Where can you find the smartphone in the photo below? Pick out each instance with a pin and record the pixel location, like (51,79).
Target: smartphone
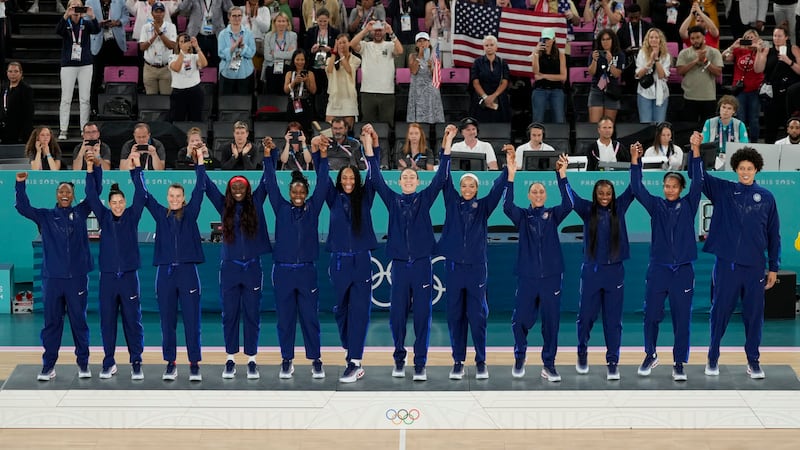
(782,50)
(295,137)
(92,142)
(746,42)
(304,73)
(142,147)
(79,9)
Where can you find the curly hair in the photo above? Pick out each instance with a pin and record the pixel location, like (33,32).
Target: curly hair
(30,146)
(747,154)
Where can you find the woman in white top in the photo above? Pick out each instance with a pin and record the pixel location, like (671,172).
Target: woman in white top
(663,146)
(341,70)
(652,64)
(257,19)
(186,100)
(279,45)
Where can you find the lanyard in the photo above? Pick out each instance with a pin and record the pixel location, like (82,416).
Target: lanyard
(207,4)
(322,37)
(234,38)
(280,45)
(634,42)
(72,31)
(730,136)
(299,90)
(5,100)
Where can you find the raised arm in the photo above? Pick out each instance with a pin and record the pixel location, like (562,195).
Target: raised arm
(637,187)
(94,184)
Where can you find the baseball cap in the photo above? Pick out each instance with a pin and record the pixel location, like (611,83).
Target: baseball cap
(422,35)
(158,6)
(548,33)
(378,25)
(467,121)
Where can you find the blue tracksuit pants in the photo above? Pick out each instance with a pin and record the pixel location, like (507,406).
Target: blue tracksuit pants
(296,294)
(179,285)
(119,294)
(351,276)
(411,292)
(64,296)
(240,292)
(534,297)
(731,282)
(678,283)
(602,288)
(466,306)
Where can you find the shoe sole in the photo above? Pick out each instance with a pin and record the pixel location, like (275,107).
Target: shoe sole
(516,374)
(582,370)
(137,377)
(755,375)
(317,375)
(420,378)
(169,377)
(398,373)
(46,377)
(481,376)
(84,375)
(678,377)
(711,373)
(456,376)
(553,379)
(253,376)
(106,375)
(285,375)
(612,377)
(352,378)
(228,375)
(195,378)
(646,372)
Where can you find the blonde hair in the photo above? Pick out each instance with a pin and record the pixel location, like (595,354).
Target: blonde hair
(282,14)
(662,46)
(422,144)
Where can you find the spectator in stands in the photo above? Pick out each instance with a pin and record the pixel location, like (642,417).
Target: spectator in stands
(237,46)
(186,100)
(279,6)
(365,12)
(17,109)
(205,24)
(310,8)
(667,14)
(605,14)
(258,20)
(699,65)
(746,81)
(415,153)
(153,153)
(34,9)
(697,18)
(549,66)
(709,8)
(279,45)
(341,69)
(469,130)
(108,47)
(241,154)
(605,149)
(296,154)
(605,65)
(437,19)
(405,15)
(157,41)
(75,29)
(101,152)
(631,36)
(194,145)
(424,100)
(301,86)
(793,132)
(344,150)
(319,42)
(565,8)
(786,12)
(489,77)
(748,14)
(42,150)
(142,12)
(536,135)
(725,128)
(652,70)
(377,72)
(664,147)
(780,65)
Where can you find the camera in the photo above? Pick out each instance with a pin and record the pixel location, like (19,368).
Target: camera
(295,137)
(92,142)
(142,147)
(79,9)
(746,42)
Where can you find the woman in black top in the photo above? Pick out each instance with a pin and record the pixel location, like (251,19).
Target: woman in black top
(43,150)
(17,111)
(779,64)
(550,70)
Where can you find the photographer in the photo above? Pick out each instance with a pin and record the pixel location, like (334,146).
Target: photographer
(746,81)
(99,151)
(152,150)
(301,86)
(295,154)
(194,148)
(342,149)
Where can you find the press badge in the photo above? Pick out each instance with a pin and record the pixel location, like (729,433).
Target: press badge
(76,51)
(405,22)
(672,16)
(208,27)
(298,106)
(236,62)
(277,67)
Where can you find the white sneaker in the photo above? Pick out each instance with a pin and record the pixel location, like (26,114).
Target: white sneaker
(287,369)
(35,9)
(84,372)
(60,8)
(108,373)
(62,136)
(46,375)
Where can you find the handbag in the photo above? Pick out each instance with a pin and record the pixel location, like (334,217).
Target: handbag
(765,92)
(647,80)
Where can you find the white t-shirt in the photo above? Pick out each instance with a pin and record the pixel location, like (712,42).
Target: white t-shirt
(527,147)
(674,162)
(606,153)
(480,147)
(784,141)
(158,53)
(377,67)
(142,11)
(189,75)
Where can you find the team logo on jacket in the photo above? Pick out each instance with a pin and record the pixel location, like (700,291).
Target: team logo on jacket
(678,206)
(474,205)
(756,197)
(546,215)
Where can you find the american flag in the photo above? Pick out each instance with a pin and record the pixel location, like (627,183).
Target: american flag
(517,33)
(436,59)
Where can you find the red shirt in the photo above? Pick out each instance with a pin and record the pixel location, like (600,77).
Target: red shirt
(743,61)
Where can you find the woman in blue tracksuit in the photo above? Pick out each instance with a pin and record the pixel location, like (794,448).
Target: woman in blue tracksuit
(244,239)
(410,246)
(119,265)
(463,244)
(602,273)
(539,268)
(177,252)
(294,273)
(351,238)
(66,262)
(744,225)
(673,250)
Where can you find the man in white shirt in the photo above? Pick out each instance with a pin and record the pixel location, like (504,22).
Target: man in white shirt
(157,41)
(469,130)
(536,135)
(793,131)
(377,71)
(141,10)
(605,149)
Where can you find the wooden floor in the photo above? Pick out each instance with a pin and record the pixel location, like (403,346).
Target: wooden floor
(410,439)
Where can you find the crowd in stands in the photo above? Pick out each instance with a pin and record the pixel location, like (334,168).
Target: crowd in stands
(336,61)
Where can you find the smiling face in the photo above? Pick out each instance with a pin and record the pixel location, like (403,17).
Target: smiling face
(348,180)
(44,136)
(604,195)
(537,195)
(536,137)
(469,188)
(238,190)
(300,61)
(117,204)
(672,189)
(746,171)
(175,198)
(322,21)
(281,23)
(605,129)
(298,194)
(653,39)
(470,133)
(489,47)
(65,194)
(409,181)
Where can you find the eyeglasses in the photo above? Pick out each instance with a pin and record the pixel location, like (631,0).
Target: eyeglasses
(236,15)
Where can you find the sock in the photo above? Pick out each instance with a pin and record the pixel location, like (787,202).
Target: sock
(231,357)
(356,362)
(251,358)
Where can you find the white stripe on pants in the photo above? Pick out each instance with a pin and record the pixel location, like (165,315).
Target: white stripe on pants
(83,75)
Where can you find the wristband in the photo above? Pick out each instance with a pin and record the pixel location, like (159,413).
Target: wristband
(483,97)
(49,156)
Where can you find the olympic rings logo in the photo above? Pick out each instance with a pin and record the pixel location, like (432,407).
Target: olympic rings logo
(379,273)
(402,416)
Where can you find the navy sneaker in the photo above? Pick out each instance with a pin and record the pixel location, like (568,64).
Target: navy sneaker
(317,372)
(518,371)
(650,361)
(108,372)
(136,371)
(755,372)
(457,372)
(171,372)
(678,374)
(420,374)
(550,373)
(352,373)
(194,372)
(252,371)
(481,371)
(47,374)
(712,368)
(582,366)
(399,370)
(612,373)
(230,370)
(287,369)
